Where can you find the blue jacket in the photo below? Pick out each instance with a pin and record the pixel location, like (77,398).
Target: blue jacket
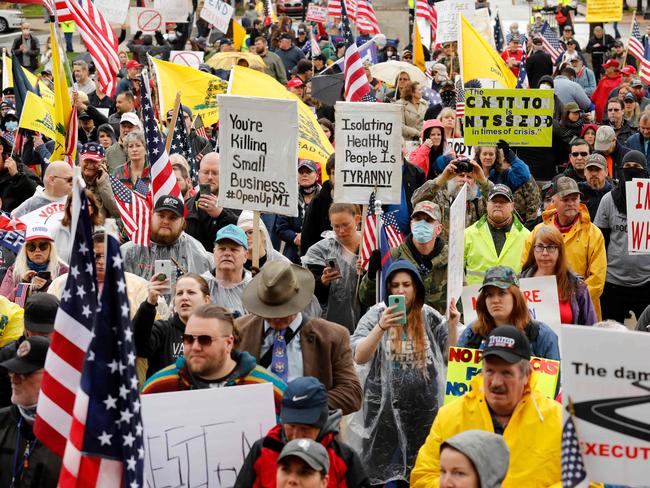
(636,142)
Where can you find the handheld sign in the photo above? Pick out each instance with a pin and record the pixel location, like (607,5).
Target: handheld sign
(457,145)
(520,117)
(146,20)
(368,152)
(637,193)
(187,58)
(447,12)
(258,145)
(217,13)
(114,11)
(604,11)
(455,263)
(173,11)
(316,13)
(189,442)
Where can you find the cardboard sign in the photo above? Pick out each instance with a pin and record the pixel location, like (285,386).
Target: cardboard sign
(637,193)
(604,10)
(483,24)
(448,11)
(316,13)
(465,363)
(606,379)
(520,117)
(368,152)
(455,263)
(540,294)
(258,172)
(187,58)
(189,442)
(114,11)
(457,145)
(217,13)
(173,11)
(147,20)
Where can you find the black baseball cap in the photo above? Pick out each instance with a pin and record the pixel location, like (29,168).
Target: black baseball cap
(508,343)
(40,312)
(84,115)
(501,189)
(304,402)
(30,356)
(171,203)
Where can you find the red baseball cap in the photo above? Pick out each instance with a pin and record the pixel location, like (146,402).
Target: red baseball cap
(611,63)
(295,83)
(628,70)
(133,64)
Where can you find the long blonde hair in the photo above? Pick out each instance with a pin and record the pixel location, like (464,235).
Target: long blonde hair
(21,268)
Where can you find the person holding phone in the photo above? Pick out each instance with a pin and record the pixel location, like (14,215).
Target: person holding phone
(405,383)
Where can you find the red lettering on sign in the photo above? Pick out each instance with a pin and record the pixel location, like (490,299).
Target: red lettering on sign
(463,355)
(474,303)
(645,204)
(544,366)
(532,296)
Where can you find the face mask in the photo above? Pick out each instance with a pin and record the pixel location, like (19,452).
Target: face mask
(422,231)
(545,86)
(171,37)
(11,125)
(630,173)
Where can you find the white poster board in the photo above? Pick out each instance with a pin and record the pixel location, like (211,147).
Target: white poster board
(605,375)
(456,262)
(540,294)
(173,10)
(217,13)
(448,11)
(483,24)
(114,11)
(258,146)
(368,152)
(458,146)
(146,20)
(49,215)
(316,13)
(637,193)
(187,58)
(201,437)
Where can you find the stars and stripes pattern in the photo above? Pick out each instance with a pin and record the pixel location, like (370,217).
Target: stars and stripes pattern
(313,44)
(366,18)
(384,251)
(551,42)
(460,97)
(198,126)
(426,11)
(432,96)
(498,33)
(71,137)
(62,11)
(636,48)
(356,82)
(181,145)
(163,179)
(106,433)
(334,8)
(573,467)
(393,234)
(100,40)
(522,76)
(135,211)
(72,335)
(369,235)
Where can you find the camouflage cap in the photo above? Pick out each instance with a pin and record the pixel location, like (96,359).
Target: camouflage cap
(565,186)
(596,160)
(501,277)
(429,208)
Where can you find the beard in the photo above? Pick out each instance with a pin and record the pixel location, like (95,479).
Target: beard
(453,189)
(165,237)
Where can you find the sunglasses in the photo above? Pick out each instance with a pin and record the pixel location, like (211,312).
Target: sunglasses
(67,180)
(42,246)
(584,154)
(204,340)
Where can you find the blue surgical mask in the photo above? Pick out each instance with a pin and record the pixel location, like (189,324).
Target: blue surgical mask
(422,231)
(11,125)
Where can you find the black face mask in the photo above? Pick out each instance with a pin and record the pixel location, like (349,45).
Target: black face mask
(308,190)
(630,173)
(448,98)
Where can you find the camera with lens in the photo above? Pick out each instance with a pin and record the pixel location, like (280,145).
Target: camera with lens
(463,166)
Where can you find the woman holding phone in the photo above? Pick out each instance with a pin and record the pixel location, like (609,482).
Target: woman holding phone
(405,346)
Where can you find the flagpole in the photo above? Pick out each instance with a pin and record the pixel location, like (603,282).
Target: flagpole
(379,275)
(628,39)
(459,47)
(172,124)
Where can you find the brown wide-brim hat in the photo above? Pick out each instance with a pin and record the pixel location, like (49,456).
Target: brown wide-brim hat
(280,289)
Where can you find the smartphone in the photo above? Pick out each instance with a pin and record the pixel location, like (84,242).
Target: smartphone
(399,301)
(46,275)
(163,267)
(333,264)
(205,189)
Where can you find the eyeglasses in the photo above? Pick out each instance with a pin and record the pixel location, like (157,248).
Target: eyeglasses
(42,246)
(613,109)
(203,339)
(584,154)
(67,180)
(550,249)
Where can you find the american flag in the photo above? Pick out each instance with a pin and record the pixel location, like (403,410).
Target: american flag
(100,40)
(106,436)
(498,33)
(550,42)
(62,11)
(135,211)
(388,232)
(369,238)
(334,8)
(460,97)
(426,11)
(181,145)
(635,48)
(356,82)
(366,18)
(573,466)
(72,335)
(522,77)
(313,44)
(198,126)
(163,180)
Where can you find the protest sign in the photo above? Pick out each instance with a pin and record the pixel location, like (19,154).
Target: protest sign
(520,117)
(540,294)
(173,11)
(316,13)
(114,11)
(604,10)
(637,194)
(48,215)
(189,441)
(145,20)
(458,147)
(217,13)
(606,379)
(448,11)
(455,263)
(483,24)
(258,173)
(368,152)
(465,363)
(187,58)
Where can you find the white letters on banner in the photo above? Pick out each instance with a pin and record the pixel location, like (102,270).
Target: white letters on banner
(218,13)
(448,11)
(187,58)
(457,145)
(173,10)
(201,437)
(606,377)
(258,144)
(637,193)
(368,152)
(316,13)
(540,294)
(455,264)
(114,11)
(146,20)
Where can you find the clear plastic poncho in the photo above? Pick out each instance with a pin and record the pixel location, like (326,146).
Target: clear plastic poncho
(400,400)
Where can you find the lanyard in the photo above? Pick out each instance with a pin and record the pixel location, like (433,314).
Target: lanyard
(29,449)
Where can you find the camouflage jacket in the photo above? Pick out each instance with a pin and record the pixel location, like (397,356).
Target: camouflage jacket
(528,199)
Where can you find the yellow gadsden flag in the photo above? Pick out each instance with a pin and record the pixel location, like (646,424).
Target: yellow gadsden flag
(8,79)
(312,142)
(479,60)
(37,116)
(199,89)
(62,104)
(418,50)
